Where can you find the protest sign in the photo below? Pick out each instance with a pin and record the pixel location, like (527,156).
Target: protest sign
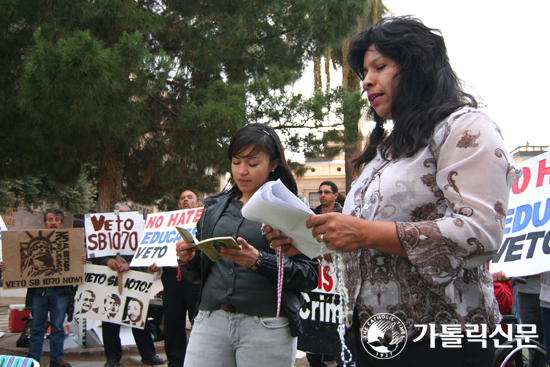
(319,315)
(158,243)
(98,298)
(108,233)
(525,249)
(2,228)
(43,258)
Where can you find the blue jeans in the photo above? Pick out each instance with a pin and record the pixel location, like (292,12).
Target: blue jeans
(57,305)
(223,339)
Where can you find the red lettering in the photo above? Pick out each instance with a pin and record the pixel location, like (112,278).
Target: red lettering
(116,241)
(108,224)
(91,239)
(526,178)
(197,215)
(151,222)
(158,223)
(320,285)
(543,171)
(97,222)
(102,241)
(181,221)
(129,224)
(189,214)
(173,219)
(118,220)
(328,285)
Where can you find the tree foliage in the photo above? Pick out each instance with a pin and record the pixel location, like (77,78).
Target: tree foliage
(148,93)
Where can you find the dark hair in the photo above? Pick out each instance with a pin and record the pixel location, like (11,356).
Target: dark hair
(331,184)
(55,211)
(426,88)
(264,139)
(341,198)
(122,203)
(114,297)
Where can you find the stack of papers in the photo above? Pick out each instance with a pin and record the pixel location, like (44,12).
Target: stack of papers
(277,206)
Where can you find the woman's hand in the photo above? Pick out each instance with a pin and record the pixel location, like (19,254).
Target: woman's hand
(339,232)
(153,268)
(245,256)
(185,250)
(276,240)
(83,258)
(344,233)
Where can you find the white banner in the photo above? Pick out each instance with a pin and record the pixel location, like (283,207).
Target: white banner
(525,249)
(2,228)
(158,243)
(108,234)
(98,297)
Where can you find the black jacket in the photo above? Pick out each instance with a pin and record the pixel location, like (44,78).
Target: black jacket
(300,272)
(337,208)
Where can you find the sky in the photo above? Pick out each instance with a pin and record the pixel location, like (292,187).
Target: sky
(500,49)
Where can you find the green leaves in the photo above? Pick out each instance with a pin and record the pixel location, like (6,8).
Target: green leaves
(162,86)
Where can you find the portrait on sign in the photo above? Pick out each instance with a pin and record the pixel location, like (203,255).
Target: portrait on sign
(99,298)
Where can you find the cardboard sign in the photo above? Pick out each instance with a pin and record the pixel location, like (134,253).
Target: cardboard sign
(108,234)
(158,243)
(525,249)
(98,297)
(319,315)
(43,258)
(2,228)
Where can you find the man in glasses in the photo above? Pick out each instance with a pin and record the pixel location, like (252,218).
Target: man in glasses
(328,192)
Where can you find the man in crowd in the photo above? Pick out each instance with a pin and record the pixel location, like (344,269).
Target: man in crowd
(188,200)
(110,331)
(328,192)
(178,299)
(52,300)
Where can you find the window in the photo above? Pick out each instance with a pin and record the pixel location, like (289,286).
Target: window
(313,199)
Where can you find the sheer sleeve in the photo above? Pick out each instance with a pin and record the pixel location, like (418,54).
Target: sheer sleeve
(474,174)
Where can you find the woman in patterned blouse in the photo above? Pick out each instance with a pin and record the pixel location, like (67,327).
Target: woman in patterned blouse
(427,210)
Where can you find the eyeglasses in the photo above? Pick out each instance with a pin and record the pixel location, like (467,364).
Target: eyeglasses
(326,192)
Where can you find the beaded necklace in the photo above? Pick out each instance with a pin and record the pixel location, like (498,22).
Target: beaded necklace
(281,269)
(343,305)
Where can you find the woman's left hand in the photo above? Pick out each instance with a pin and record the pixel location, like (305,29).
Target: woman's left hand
(245,256)
(344,233)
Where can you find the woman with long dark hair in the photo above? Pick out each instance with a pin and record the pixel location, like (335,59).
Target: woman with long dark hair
(427,210)
(236,324)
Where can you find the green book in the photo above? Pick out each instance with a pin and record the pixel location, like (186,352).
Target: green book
(212,246)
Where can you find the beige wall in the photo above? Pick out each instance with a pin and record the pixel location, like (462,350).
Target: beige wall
(322,171)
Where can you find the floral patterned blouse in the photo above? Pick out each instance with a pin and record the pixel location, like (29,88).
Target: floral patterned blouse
(449,203)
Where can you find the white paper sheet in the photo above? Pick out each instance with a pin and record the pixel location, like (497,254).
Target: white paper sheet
(277,206)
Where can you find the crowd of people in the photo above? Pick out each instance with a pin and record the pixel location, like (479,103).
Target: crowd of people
(424,216)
